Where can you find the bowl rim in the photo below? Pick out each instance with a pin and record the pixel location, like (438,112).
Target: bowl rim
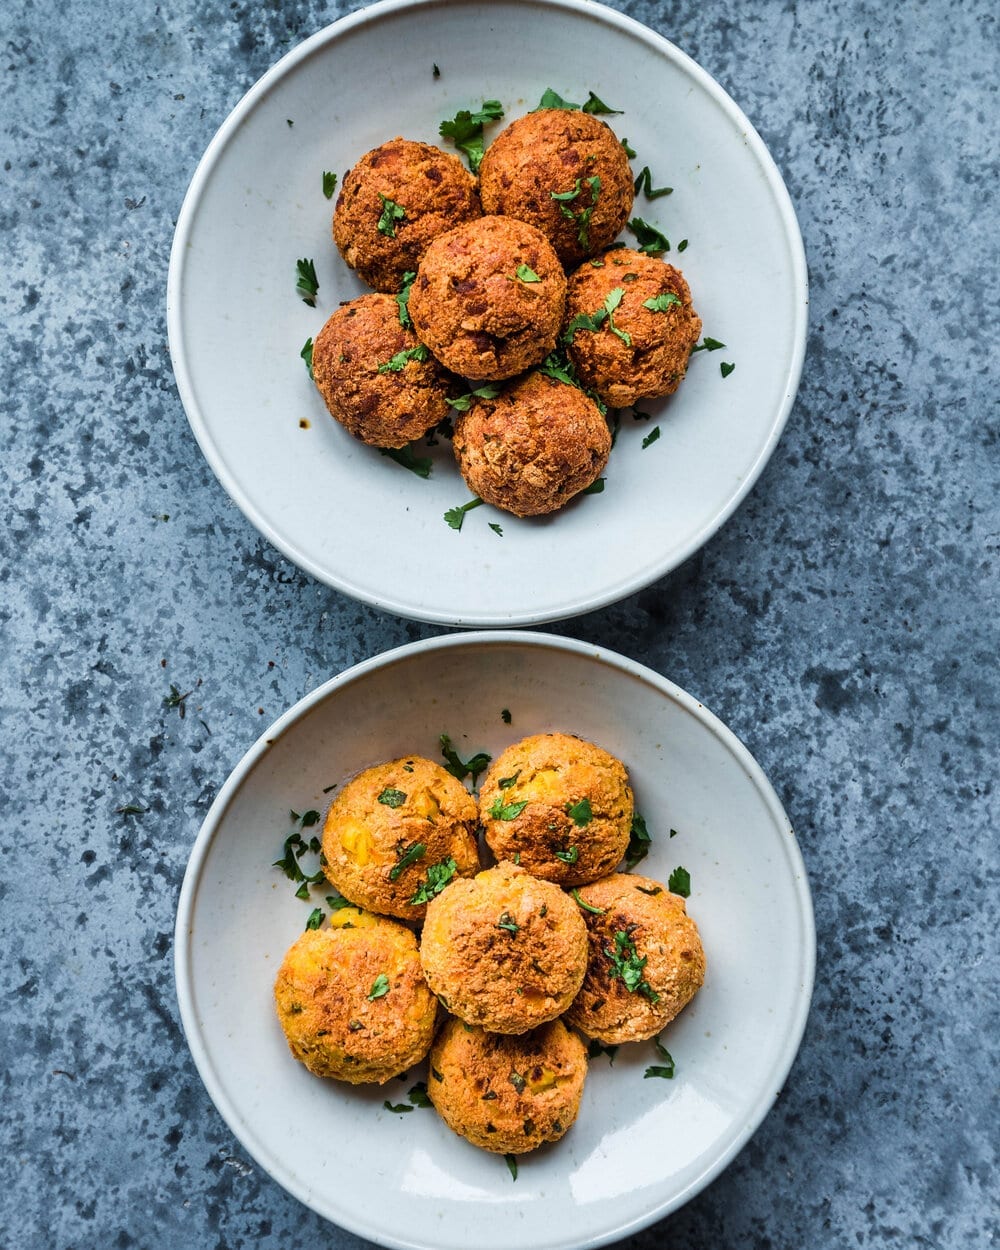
(469,617)
(183,948)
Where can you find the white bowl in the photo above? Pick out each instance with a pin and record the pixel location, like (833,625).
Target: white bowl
(640,1148)
(354,519)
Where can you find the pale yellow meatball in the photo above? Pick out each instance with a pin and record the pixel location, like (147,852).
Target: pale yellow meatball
(352,999)
(507,1094)
(646,959)
(397,833)
(558,806)
(504,950)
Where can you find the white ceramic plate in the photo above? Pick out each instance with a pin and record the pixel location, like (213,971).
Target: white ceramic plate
(351,517)
(640,1147)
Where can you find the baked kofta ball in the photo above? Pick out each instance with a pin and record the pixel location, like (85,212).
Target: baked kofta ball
(505,950)
(646,960)
(503,1093)
(565,172)
(488,298)
(375,376)
(533,447)
(395,200)
(558,806)
(397,833)
(642,343)
(352,999)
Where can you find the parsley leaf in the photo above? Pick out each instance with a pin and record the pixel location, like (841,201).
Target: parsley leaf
(656,1069)
(418,1095)
(307,284)
(329,183)
(709,345)
(392,798)
(337,902)
(726,369)
(505,783)
(315,918)
(455,516)
(454,765)
(651,241)
(391,213)
(580,812)
(309,819)
(570,856)
(500,810)
(630,151)
(679,882)
(438,876)
(380,987)
(415,851)
(307,354)
(595,1049)
(526,274)
(462,403)
(682,246)
(596,105)
(556,366)
(397,1107)
(594,321)
(625,963)
(403,299)
(595,488)
(661,303)
(508,922)
(651,437)
(511,1162)
(552,100)
(401,359)
(644,183)
(581,218)
(497,529)
(465,130)
(420,465)
(596,911)
(505,715)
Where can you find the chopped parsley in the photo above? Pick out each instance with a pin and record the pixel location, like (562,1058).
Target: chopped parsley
(511,1162)
(596,1049)
(497,529)
(329,183)
(625,963)
(454,765)
(315,918)
(295,847)
(644,183)
(679,882)
(580,812)
(661,303)
(420,465)
(682,246)
(465,130)
(651,437)
(639,840)
(505,715)
(505,783)
(462,403)
(651,241)
(418,1095)
(595,911)
(666,1069)
(308,819)
(176,700)
(552,100)
(595,105)
(401,359)
(526,274)
(307,354)
(337,902)
(307,284)
(594,321)
(438,876)
(392,798)
(556,366)
(508,922)
(397,1107)
(630,151)
(456,516)
(500,810)
(403,299)
(583,216)
(725,368)
(707,345)
(595,488)
(417,850)
(570,856)
(380,987)
(391,213)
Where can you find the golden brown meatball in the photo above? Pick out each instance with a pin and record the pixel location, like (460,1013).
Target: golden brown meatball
(504,950)
(647,326)
(488,298)
(646,960)
(507,1094)
(533,447)
(352,999)
(375,376)
(395,200)
(558,806)
(566,173)
(397,833)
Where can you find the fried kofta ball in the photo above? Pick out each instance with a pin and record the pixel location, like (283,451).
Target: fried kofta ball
(647,326)
(352,999)
(395,200)
(507,1094)
(505,950)
(646,960)
(375,376)
(565,172)
(488,298)
(559,806)
(533,447)
(397,833)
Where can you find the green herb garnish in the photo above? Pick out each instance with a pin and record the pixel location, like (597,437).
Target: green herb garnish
(596,105)
(630,151)
(594,321)
(526,274)
(656,889)
(707,345)
(329,183)
(415,851)
(596,1049)
(552,100)
(315,918)
(391,213)
(397,1107)
(392,798)
(651,437)
(420,465)
(596,911)
(661,303)
(380,987)
(309,819)
(307,284)
(511,1162)
(454,765)
(496,528)
(401,359)
(508,922)
(725,368)
(463,403)
(418,1095)
(455,516)
(438,876)
(595,488)
(666,1069)
(500,810)
(307,354)
(570,856)
(403,299)
(337,902)
(580,812)
(639,840)
(465,130)
(644,183)
(505,783)
(176,700)
(682,246)
(625,963)
(651,241)
(505,715)
(583,216)
(679,882)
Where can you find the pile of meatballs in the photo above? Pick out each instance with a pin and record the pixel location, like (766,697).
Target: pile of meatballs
(508,294)
(499,970)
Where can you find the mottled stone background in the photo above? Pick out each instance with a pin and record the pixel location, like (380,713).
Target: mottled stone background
(844,623)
